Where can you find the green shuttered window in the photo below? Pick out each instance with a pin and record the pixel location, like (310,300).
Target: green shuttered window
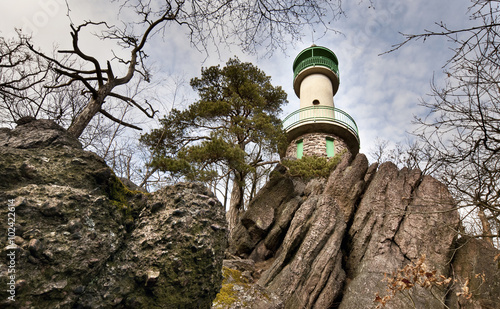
(300,148)
(330,147)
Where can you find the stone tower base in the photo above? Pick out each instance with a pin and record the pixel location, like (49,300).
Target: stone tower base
(314,144)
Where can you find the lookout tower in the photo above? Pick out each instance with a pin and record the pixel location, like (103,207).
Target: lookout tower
(318,128)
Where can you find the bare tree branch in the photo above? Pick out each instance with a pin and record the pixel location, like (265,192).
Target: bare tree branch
(123,123)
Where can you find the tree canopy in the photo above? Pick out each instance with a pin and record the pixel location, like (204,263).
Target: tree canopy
(94,94)
(208,24)
(233,129)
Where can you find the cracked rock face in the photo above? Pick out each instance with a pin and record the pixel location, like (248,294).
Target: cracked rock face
(401,217)
(83,240)
(307,271)
(328,242)
(472,264)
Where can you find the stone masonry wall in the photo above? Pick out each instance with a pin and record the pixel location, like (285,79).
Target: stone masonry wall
(315,145)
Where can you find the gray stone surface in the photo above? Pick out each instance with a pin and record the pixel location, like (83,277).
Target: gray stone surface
(307,271)
(346,183)
(315,145)
(172,258)
(402,216)
(37,134)
(476,266)
(83,240)
(331,243)
(240,291)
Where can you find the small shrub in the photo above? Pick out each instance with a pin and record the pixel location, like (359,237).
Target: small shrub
(312,166)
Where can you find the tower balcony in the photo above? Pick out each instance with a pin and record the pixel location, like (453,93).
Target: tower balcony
(315,59)
(324,119)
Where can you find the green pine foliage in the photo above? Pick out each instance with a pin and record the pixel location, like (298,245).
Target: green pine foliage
(234,125)
(312,166)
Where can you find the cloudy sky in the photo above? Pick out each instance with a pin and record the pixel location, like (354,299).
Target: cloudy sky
(381,92)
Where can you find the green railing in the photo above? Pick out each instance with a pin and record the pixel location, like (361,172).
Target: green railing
(314,61)
(320,114)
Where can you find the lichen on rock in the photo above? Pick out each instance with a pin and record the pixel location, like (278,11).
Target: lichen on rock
(239,289)
(84,240)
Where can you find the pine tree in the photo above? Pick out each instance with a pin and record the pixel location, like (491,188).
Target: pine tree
(233,127)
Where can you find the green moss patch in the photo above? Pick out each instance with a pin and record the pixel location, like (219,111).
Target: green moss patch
(118,192)
(228,295)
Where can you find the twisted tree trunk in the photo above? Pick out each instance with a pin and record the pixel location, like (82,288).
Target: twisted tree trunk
(236,202)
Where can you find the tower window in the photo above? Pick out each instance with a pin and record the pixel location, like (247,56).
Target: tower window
(330,147)
(315,102)
(300,149)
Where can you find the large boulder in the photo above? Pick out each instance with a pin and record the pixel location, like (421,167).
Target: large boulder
(401,217)
(172,258)
(301,247)
(332,242)
(476,268)
(81,239)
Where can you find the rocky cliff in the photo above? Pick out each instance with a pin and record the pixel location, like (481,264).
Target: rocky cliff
(337,242)
(78,238)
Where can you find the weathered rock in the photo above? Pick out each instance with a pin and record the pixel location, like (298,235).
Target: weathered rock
(476,267)
(332,244)
(346,183)
(239,291)
(307,271)
(276,235)
(53,253)
(83,240)
(37,134)
(172,247)
(302,246)
(402,216)
(261,214)
(246,267)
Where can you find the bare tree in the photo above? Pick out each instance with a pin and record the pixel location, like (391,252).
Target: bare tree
(121,148)
(463,129)
(463,125)
(22,75)
(99,82)
(247,24)
(27,87)
(411,154)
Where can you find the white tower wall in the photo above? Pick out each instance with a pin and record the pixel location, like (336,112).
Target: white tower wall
(316,88)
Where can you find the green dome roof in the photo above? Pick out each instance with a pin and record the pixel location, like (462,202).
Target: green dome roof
(315,56)
(315,59)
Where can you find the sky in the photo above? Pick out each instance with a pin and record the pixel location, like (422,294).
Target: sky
(381,92)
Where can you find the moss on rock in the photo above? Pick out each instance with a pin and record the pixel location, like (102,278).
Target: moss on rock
(238,291)
(85,240)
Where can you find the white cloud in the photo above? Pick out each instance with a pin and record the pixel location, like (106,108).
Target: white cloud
(380,92)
